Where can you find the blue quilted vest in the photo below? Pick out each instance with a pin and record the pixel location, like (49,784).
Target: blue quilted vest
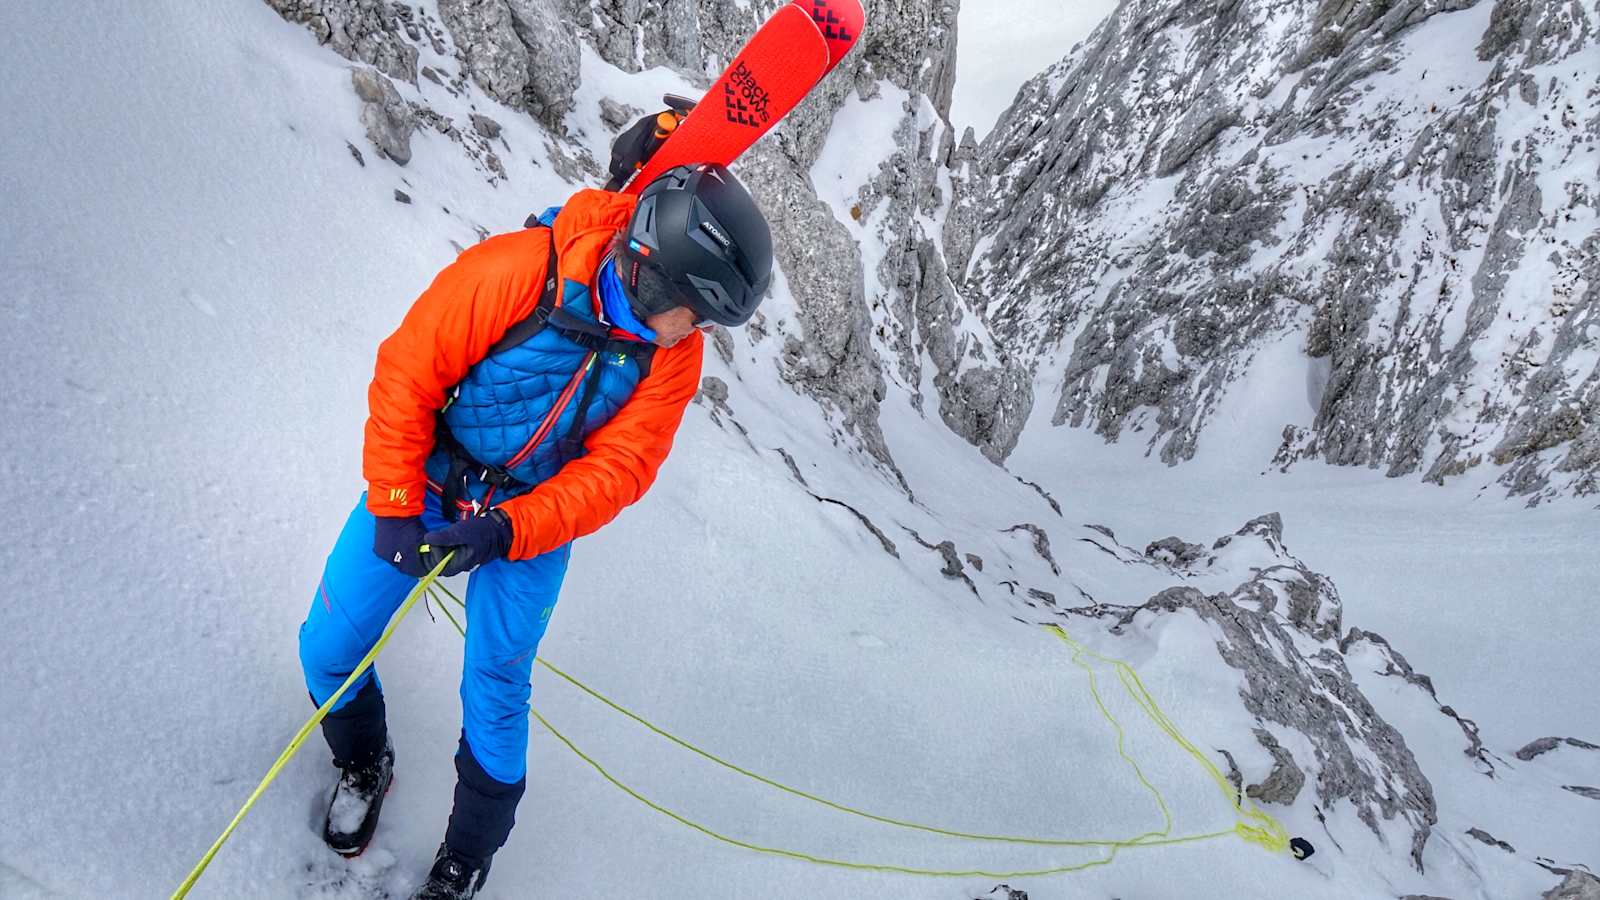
(516,409)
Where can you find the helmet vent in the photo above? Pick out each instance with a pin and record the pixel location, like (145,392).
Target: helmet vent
(645,223)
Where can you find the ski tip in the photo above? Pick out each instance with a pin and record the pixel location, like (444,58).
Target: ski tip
(764,82)
(839,21)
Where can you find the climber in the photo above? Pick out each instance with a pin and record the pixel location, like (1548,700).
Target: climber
(512,412)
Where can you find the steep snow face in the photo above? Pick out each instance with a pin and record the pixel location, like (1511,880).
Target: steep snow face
(1409,189)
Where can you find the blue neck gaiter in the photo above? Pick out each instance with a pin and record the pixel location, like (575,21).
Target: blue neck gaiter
(616,304)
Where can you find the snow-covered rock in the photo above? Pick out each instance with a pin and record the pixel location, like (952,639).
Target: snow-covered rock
(1406,187)
(376,32)
(1280,630)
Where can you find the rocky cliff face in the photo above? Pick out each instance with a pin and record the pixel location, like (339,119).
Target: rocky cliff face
(1403,189)
(866,269)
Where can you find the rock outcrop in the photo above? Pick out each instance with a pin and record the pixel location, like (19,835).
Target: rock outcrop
(376,32)
(519,52)
(385,114)
(1575,886)
(1280,630)
(1192,185)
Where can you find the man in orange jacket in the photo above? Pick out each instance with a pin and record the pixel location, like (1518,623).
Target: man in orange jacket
(530,394)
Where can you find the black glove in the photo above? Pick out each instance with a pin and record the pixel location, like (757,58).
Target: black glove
(634,147)
(473,542)
(398,541)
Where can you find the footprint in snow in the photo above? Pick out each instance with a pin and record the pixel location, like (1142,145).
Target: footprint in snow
(370,876)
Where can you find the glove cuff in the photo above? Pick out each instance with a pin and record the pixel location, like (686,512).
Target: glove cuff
(506,534)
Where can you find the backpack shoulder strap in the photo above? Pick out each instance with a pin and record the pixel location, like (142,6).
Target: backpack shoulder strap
(536,321)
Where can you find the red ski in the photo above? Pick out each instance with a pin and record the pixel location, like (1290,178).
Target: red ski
(774,71)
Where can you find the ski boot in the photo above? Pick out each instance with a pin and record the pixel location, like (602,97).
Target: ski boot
(453,877)
(357,800)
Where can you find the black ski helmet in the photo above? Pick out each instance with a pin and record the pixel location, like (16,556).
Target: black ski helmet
(697,239)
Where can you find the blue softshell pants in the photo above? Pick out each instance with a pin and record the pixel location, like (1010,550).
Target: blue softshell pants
(508,607)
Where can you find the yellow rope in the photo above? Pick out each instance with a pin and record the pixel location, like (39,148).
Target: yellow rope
(887,820)
(1266,832)
(1256,826)
(1114,846)
(306,729)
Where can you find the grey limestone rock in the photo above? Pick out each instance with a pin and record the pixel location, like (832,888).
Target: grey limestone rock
(1041,543)
(485,126)
(519,52)
(1544,745)
(368,31)
(1283,783)
(713,389)
(1575,886)
(1485,837)
(1043,494)
(1175,551)
(986,404)
(1268,527)
(1395,664)
(983,394)
(831,358)
(385,114)
(874,530)
(953,569)
(634,36)
(618,115)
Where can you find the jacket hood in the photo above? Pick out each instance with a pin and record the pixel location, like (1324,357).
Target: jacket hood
(584,229)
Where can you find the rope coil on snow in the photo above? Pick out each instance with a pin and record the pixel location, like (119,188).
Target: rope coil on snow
(1255,825)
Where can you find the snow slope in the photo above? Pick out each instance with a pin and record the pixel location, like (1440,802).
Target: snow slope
(196,273)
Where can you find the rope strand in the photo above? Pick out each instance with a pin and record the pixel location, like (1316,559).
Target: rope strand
(306,729)
(1254,825)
